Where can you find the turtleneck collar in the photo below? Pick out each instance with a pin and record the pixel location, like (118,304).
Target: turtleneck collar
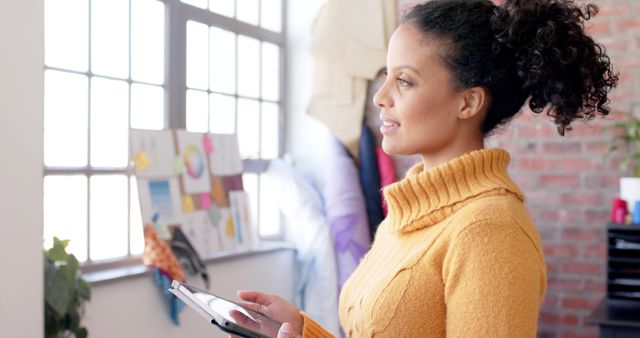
(425,198)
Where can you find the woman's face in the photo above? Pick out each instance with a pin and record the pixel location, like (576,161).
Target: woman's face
(418,103)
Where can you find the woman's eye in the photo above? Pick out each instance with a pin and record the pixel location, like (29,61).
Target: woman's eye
(404,83)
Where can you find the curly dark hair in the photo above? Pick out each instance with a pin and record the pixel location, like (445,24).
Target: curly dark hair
(535,50)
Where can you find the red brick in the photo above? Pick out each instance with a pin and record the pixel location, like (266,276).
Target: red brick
(582,234)
(537,130)
(569,320)
(561,147)
(613,9)
(580,303)
(581,164)
(578,334)
(626,25)
(597,181)
(563,216)
(552,267)
(550,302)
(582,129)
(581,268)
(559,181)
(543,197)
(537,164)
(560,250)
(565,284)
(596,286)
(598,28)
(595,147)
(583,198)
(594,216)
(598,250)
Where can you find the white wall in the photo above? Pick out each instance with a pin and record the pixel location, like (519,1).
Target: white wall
(135,308)
(21,111)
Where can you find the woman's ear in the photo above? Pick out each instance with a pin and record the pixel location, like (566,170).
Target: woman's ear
(474,102)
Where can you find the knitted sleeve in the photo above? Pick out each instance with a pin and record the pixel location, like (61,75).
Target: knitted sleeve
(494,282)
(311,329)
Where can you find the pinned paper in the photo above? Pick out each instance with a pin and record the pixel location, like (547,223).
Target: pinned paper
(178,165)
(141,161)
(207,144)
(205,200)
(187,204)
(230,230)
(214,214)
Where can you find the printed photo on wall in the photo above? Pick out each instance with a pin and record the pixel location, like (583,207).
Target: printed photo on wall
(153,153)
(192,151)
(246,233)
(224,159)
(160,203)
(201,232)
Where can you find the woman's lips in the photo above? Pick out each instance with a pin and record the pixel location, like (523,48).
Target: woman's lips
(388,126)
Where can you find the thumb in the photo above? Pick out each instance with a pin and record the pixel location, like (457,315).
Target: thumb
(286,331)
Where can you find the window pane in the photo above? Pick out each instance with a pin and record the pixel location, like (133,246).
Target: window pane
(223,114)
(197,57)
(65,119)
(223,7)
(223,61)
(271,15)
(270,71)
(147,41)
(108,216)
(196,3)
(66,34)
(248,66)
(248,128)
(110,37)
(65,212)
(248,11)
(270,130)
(109,123)
(136,228)
(197,111)
(269,213)
(250,185)
(147,107)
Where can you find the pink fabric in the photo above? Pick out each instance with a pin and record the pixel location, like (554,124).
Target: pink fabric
(387,172)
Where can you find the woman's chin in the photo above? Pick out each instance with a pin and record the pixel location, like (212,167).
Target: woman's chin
(392,149)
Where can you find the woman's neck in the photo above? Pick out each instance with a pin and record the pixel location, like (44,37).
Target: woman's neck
(453,151)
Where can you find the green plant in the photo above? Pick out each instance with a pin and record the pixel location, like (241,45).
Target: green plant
(627,140)
(65,292)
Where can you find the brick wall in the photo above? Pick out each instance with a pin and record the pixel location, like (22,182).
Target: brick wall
(568,182)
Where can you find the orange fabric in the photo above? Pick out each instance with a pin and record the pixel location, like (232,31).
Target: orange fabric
(158,254)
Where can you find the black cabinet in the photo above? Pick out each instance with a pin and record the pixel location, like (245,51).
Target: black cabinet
(619,313)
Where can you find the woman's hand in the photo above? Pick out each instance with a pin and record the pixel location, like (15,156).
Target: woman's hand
(276,308)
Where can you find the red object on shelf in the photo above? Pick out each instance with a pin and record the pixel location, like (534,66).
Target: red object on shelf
(619,210)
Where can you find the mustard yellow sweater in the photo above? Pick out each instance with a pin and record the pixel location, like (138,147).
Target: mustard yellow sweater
(457,256)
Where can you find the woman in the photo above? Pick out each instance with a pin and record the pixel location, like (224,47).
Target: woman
(458,255)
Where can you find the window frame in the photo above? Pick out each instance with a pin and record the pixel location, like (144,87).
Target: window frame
(177,14)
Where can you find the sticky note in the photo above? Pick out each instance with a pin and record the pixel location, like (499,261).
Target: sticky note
(230,229)
(141,161)
(187,204)
(178,165)
(205,200)
(214,214)
(207,144)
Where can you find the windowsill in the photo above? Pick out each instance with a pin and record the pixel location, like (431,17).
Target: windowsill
(137,270)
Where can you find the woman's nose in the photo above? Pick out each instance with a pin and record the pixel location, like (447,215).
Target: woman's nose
(381,99)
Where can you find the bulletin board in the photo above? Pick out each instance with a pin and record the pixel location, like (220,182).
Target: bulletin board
(193,181)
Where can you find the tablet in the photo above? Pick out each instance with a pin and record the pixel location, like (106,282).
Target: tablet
(226,315)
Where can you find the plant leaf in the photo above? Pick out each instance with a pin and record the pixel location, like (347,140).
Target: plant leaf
(58,252)
(56,292)
(84,289)
(81,333)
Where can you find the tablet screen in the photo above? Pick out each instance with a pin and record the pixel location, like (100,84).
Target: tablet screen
(237,314)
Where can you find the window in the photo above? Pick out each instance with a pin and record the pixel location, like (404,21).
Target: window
(111,65)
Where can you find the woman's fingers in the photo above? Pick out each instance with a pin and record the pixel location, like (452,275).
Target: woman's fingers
(254,307)
(286,331)
(255,297)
